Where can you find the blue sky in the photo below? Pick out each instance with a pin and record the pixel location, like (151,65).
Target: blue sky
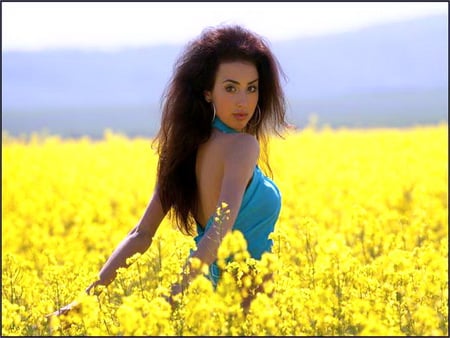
(114,25)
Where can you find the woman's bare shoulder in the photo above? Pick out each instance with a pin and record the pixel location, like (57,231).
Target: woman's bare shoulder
(240,147)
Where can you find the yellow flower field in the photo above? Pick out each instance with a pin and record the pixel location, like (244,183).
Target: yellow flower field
(360,247)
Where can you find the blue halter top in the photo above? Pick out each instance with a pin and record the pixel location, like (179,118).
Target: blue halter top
(257,215)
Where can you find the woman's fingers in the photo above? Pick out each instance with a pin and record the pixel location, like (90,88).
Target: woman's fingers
(63,310)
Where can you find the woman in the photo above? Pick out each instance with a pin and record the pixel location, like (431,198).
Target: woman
(222,102)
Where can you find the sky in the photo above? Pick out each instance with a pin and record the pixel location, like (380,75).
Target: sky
(116,25)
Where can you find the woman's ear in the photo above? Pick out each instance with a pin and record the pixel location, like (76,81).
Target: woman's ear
(207,95)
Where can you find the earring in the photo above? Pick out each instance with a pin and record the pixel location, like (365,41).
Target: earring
(214,111)
(257,111)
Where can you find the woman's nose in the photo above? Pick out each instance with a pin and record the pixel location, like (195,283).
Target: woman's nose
(242,100)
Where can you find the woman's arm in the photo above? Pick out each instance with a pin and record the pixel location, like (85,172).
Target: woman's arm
(240,157)
(137,240)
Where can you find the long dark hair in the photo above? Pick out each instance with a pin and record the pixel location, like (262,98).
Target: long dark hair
(186,116)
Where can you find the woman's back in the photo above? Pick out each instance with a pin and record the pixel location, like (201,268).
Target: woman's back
(210,170)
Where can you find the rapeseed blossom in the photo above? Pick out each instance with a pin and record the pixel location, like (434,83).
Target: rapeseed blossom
(360,248)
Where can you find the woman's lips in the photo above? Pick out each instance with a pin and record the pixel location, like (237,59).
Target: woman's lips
(240,116)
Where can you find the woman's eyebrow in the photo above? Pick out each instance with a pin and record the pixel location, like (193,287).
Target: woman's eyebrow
(237,82)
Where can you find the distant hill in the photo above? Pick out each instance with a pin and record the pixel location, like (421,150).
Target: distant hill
(386,75)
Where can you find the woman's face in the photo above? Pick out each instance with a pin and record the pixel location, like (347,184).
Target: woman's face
(235,93)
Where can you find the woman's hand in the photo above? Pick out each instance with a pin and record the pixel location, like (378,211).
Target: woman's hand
(92,286)
(175,290)
(64,310)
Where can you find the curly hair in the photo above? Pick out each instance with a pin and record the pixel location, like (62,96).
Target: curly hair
(186,116)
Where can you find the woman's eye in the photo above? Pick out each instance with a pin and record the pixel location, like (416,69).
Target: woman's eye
(252,89)
(230,89)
